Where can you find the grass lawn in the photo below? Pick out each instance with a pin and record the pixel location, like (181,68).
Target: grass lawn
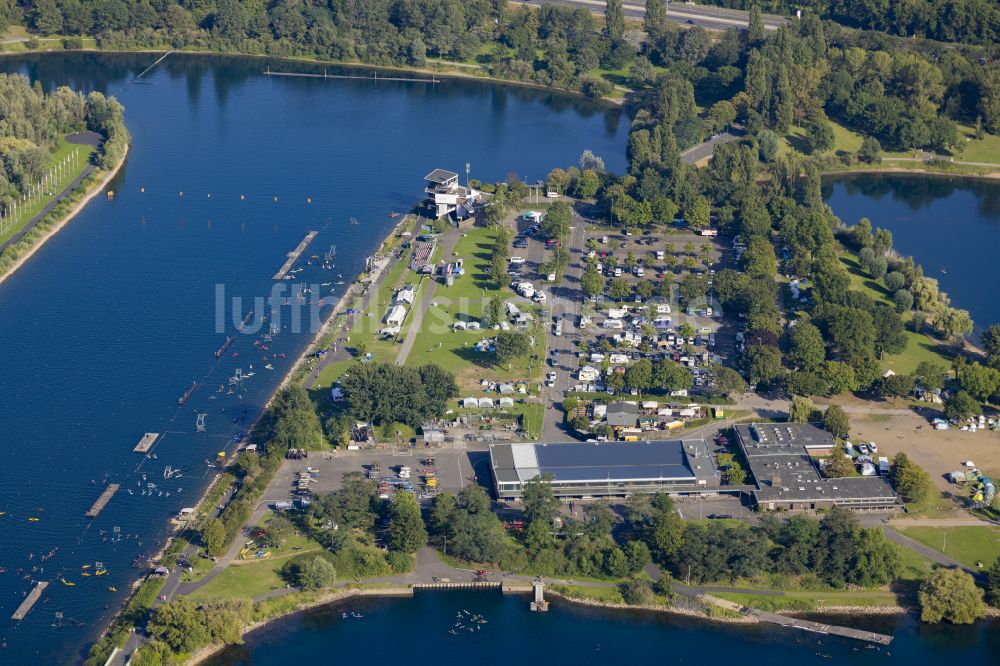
(242,581)
(475,248)
(913,566)
(968,545)
(919,347)
(970,149)
(455,350)
(811,600)
(606,594)
(63,150)
(844,140)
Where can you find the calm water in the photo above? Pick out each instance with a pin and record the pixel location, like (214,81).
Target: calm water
(951,226)
(417,630)
(115,317)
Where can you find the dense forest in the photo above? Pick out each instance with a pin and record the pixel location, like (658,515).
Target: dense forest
(973,21)
(905,94)
(32,122)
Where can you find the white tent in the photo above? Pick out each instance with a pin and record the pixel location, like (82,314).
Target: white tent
(506,402)
(486,403)
(470,403)
(396,316)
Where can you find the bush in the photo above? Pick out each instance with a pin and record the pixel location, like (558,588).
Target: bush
(636,592)
(399,562)
(596,88)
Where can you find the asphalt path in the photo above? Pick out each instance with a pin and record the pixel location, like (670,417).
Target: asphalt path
(713,18)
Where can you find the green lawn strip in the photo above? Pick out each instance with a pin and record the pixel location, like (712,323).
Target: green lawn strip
(609,595)
(913,565)
(970,545)
(242,581)
(971,149)
(63,150)
(806,601)
(475,248)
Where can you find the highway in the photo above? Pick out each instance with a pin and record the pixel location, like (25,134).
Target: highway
(712,18)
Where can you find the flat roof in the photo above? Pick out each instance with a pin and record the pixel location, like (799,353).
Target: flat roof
(783,469)
(440,176)
(577,462)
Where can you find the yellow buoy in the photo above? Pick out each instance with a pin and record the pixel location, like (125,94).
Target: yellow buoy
(111,194)
(180,194)
(142,189)
(309,200)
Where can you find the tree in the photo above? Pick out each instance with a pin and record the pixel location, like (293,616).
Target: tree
(903,300)
(296,424)
(930,375)
(953,323)
(726,381)
(960,406)
(894,280)
(639,375)
(614,20)
(655,19)
(819,137)
(979,381)
(839,464)
(767,145)
(894,386)
(316,574)
(557,181)
(540,503)
(588,184)
(494,311)
(755,25)
(762,364)
(950,595)
(592,282)
(213,536)
(870,151)
(722,115)
(836,421)
(636,592)
(591,162)
(406,531)
(993,584)
(511,345)
(698,213)
(802,410)
(910,480)
(179,624)
(672,376)
(619,289)
(806,348)
(385,393)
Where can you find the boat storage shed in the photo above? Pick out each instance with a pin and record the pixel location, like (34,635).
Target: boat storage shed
(604,469)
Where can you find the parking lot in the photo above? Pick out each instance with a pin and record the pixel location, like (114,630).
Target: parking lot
(455,469)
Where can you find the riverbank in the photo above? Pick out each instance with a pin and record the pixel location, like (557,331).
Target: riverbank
(922,170)
(450,73)
(26,252)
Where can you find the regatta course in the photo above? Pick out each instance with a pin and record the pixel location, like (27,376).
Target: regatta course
(147,313)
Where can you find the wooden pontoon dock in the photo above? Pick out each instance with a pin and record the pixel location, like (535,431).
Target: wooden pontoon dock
(29,601)
(146,443)
(103,500)
(294,255)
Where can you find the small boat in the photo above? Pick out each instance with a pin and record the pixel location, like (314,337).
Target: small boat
(269,366)
(85,566)
(33,519)
(85,574)
(112,588)
(67,583)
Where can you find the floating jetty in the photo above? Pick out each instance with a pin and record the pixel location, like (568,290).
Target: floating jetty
(374,77)
(225,345)
(102,501)
(294,255)
(29,601)
(146,443)
(187,394)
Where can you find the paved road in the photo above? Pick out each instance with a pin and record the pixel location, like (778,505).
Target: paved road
(80,138)
(714,18)
(695,154)
(447,243)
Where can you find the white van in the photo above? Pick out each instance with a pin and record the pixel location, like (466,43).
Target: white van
(517,261)
(660,255)
(639,272)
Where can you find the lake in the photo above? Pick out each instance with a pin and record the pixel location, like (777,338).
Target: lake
(951,226)
(419,629)
(116,316)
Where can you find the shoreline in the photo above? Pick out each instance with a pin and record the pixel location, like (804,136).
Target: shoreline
(343,594)
(52,231)
(916,171)
(449,73)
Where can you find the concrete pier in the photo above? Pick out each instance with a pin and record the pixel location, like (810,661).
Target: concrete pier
(102,501)
(294,255)
(538,602)
(29,601)
(146,443)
